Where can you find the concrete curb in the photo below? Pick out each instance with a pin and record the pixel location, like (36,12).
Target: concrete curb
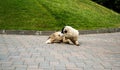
(33,32)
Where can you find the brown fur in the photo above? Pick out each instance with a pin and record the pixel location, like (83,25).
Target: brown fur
(57,38)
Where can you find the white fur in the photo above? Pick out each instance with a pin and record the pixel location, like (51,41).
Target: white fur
(71,32)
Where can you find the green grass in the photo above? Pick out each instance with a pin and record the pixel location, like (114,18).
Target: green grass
(54,14)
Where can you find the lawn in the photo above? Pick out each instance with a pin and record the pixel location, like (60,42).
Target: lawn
(54,14)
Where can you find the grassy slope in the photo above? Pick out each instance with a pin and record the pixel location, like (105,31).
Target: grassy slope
(54,14)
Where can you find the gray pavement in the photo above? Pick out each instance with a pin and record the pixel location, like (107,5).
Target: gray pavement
(29,52)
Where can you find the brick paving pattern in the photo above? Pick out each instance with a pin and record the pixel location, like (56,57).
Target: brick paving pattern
(29,52)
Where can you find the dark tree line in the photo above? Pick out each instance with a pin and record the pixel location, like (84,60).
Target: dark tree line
(111,4)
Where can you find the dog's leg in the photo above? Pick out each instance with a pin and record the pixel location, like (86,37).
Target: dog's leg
(49,41)
(75,42)
(65,40)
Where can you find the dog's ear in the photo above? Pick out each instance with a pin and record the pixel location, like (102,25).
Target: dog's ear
(62,30)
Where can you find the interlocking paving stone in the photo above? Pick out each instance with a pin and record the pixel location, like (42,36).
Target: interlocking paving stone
(29,52)
(3,56)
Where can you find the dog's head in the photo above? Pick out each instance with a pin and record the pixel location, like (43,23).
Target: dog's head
(66,29)
(55,37)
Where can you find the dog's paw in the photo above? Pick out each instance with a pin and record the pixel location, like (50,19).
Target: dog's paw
(77,44)
(48,42)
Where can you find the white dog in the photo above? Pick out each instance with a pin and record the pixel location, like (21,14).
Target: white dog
(71,33)
(57,37)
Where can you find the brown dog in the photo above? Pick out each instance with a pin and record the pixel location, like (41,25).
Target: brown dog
(58,37)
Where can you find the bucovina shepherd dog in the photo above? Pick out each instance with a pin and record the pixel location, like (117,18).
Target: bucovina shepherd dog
(71,33)
(67,35)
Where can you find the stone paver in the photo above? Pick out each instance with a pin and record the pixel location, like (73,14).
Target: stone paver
(29,52)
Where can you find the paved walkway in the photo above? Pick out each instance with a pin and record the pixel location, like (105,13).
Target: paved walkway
(29,52)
